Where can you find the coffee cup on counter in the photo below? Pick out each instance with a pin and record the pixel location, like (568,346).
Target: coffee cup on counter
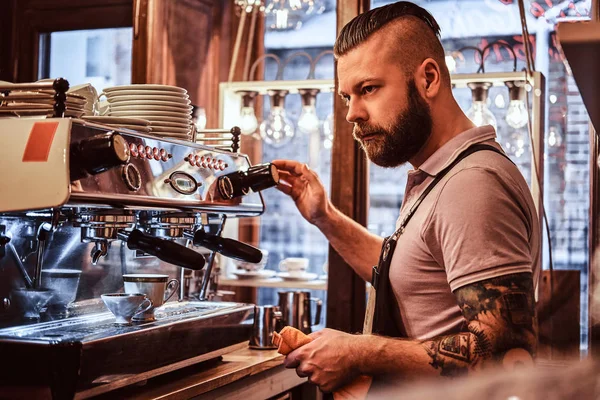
(254,267)
(154,286)
(125,306)
(294,265)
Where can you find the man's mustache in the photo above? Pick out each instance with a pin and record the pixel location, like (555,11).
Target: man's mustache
(362,130)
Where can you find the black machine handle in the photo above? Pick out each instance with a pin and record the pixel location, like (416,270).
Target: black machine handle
(167,251)
(228,247)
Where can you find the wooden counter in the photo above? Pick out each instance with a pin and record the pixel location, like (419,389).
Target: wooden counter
(241,374)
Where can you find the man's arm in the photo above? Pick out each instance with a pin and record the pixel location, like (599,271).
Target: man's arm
(357,246)
(501,329)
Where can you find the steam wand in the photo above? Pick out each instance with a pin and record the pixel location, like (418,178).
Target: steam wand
(211,260)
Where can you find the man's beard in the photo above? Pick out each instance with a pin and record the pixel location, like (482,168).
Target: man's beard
(403,139)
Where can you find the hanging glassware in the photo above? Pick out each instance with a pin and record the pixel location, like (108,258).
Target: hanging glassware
(479,112)
(247,121)
(516,115)
(277,129)
(290,14)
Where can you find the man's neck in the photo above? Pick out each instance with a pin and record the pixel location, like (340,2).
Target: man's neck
(445,127)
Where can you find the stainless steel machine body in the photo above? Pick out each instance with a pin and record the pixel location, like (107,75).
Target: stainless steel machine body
(136,204)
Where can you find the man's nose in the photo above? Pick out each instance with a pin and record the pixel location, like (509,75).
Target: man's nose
(356,112)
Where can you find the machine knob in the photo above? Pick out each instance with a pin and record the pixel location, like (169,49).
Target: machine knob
(98,154)
(239,183)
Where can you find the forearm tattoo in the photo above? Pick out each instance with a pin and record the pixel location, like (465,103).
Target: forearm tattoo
(501,326)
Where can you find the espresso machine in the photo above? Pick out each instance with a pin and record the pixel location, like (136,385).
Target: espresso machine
(82,204)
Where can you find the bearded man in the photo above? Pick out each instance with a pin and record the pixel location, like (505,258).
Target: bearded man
(462,267)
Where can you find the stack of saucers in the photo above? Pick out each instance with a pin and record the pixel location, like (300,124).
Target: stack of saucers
(136,124)
(167,108)
(39,103)
(91,96)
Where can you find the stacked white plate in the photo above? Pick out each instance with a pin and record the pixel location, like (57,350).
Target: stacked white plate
(136,124)
(89,93)
(39,103)
(168,108)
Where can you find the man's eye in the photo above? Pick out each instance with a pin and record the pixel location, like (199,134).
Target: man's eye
(368,89)
(346,100)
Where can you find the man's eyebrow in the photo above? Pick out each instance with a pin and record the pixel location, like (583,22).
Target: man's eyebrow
(357,85)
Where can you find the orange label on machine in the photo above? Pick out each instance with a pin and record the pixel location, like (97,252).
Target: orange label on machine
(39,142)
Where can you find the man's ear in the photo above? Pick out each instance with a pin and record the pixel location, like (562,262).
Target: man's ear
(428,78)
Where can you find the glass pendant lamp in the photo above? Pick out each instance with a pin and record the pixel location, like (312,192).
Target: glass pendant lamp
(277,130)
(308,121)
(479,112)
(247,120)
(516,115)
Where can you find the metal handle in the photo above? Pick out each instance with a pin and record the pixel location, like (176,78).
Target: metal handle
(167,251)
(318,313)
(146,308)
(228,247)
(173,290)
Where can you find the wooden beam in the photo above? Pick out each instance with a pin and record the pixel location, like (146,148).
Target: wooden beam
(349,193)
(594,247)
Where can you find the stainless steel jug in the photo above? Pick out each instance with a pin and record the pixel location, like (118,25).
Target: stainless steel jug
(295,307)
(267,319)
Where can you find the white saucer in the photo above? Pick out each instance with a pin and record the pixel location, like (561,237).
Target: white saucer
(307,276)
(262,274)
(162,88)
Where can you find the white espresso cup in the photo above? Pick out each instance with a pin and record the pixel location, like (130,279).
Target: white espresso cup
(294,266)
(154,287)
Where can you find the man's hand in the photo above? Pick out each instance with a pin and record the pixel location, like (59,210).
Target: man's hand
(305,188)
(330,360)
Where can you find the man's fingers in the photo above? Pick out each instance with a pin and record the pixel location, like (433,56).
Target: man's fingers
(316,334)
(295,168)
(285,188)
(302,373)
(288,165)
(291,361)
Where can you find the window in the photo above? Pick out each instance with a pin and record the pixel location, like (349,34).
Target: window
(101,57)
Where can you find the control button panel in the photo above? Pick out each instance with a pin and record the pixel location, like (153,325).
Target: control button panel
(206,162)
(150,153)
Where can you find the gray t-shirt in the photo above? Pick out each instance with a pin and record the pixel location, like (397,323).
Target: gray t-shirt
(478,223)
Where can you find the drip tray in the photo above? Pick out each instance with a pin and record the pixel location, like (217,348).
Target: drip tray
(101,325)
(70,355)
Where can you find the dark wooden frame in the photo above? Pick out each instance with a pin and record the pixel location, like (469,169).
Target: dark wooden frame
(594,247)
(349,193)
(30,18)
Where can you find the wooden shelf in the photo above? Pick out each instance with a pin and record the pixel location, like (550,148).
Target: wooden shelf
(316,284)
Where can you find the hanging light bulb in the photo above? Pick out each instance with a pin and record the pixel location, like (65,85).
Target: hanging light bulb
(554,137)
(516,114)
(308,121)
(248,122)
(328,132)
(479,112)
(277,130)
(451,64)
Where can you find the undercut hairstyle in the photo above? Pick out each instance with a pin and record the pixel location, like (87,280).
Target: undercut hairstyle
(416,31)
